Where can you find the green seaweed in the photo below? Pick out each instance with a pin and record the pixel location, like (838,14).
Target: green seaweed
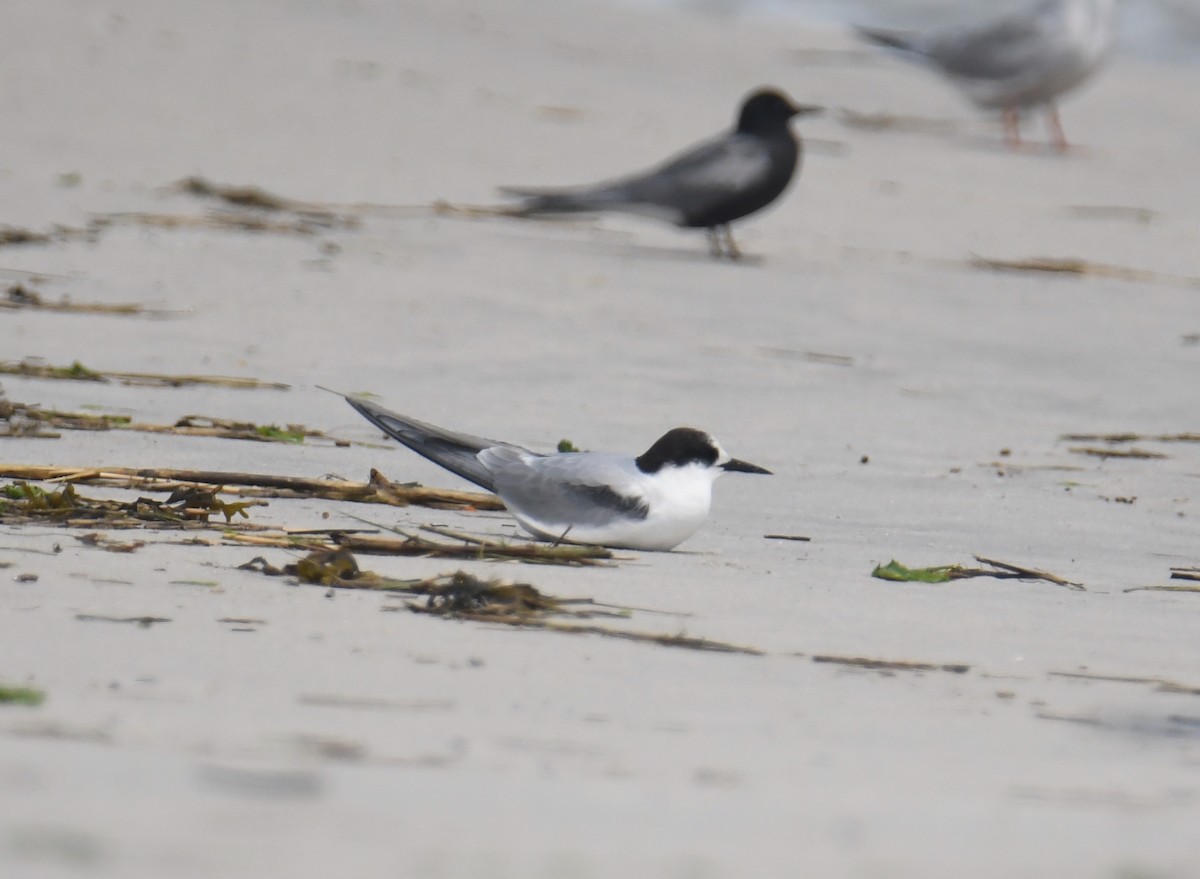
(893,570)
(289,434)
(21,696)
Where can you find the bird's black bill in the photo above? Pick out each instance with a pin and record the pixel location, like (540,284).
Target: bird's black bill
(744,467)
(806,109)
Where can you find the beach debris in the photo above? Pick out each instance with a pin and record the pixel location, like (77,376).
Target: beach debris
(336,700)
(95,538)
(240,196)
(339,569)
(305,224)
(465,546)
(796,537)
(1162,589)
(19,296)
(26,578)
(683,641)
(76,371)
(1079,267)
(893,122)
(13,235)
(463,596)
(378,490)
(30,421)
(1120,438)
(21,503)
(442,208)
(142,622)
(310,217)
(1188,574)
(1134,453)
(889,665)
(893,570)
(1112,212)
(807,356)
(565,446)
(21,696)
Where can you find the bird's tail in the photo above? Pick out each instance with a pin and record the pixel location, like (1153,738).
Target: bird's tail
(551,201)
(454,451)
(897,40)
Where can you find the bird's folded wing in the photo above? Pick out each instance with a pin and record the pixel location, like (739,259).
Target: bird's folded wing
(1010,47)
(584,489)
(712,170)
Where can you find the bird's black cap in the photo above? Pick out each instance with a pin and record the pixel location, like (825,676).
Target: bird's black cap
(686,445)
(768,109)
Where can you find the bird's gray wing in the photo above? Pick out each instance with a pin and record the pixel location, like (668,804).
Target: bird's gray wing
(1005,48)
(457,452)
(685,184)
(572,489)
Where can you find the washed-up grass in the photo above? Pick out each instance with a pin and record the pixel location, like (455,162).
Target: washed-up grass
(1080,268)
(142,622)
(1162,589)
(301,224)
(893,122)
(378,490)
(76,371)
(891,665)
(463,596)
(1120,438)
(20,297)
(11,236)
(461,546)
(1188,574)
(895,571)
(1132,454)
(22,503)
(29,421)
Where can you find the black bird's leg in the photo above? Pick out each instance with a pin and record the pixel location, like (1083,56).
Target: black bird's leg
(731,248)
(714,242)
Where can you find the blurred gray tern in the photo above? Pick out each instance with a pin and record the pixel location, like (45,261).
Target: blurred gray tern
(707,186)
(653,502)
(1023,60)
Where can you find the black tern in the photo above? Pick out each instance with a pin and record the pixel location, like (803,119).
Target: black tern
(705,187)
(1023,60)
(653,501)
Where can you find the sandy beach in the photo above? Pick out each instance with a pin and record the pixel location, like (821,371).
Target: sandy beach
(913,399)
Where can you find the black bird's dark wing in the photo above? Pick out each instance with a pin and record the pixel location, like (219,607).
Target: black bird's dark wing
(687,185)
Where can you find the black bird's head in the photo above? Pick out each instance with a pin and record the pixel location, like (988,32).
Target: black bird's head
(684,446)
(768,110)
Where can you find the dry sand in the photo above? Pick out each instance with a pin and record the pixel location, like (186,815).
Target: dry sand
(861,357)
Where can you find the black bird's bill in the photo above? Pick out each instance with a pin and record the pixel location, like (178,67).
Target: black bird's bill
(806,109)
(736,466)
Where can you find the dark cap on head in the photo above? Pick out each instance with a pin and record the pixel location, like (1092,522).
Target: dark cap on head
(767,109)
(686,445)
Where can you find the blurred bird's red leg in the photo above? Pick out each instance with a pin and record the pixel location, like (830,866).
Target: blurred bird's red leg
(1056,129)
(1012,127)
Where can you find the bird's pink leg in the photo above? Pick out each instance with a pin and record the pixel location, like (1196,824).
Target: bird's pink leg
(1012,127)
(1056,129)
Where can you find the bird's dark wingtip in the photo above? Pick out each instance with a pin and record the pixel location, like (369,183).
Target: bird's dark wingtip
(884,37)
